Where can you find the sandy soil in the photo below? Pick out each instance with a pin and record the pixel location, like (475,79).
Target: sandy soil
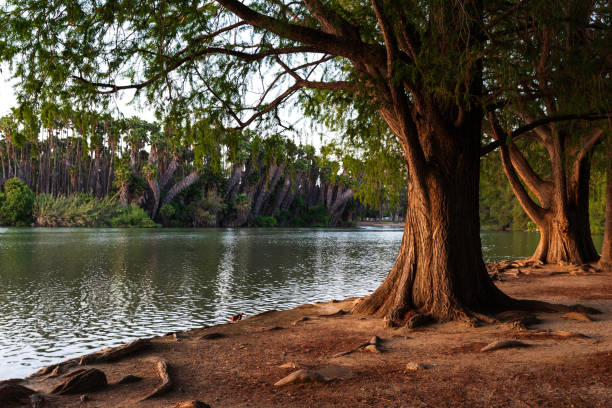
(241,366)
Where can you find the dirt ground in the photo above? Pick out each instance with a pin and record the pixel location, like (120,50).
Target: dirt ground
(568,363)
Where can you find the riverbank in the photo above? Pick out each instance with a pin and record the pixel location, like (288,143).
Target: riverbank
(568,360)
(379,224)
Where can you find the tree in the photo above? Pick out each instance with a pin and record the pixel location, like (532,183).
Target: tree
(558,76)
(420,64)
(606,251)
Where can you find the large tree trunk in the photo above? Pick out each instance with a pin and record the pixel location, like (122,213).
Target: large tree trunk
(562,216)
(439,270)
(606,249)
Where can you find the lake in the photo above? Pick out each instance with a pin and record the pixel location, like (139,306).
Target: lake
(66,292)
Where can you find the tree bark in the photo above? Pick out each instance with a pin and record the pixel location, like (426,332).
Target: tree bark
(180,186)
(606,250)
(439,270)
(562,216)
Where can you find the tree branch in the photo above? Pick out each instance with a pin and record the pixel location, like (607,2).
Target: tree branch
(533,125)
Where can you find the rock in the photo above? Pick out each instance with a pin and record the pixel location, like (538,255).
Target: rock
(129,379)
(289,364)
(213,336)
(89,380)
(14,393)
(375,340)
(300,376)
(412,366)
(190,404)
(501,344)
(372,348)
(582,317)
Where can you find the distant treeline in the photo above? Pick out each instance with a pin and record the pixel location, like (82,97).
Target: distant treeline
(91,170)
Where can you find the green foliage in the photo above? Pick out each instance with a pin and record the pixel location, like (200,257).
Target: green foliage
(203,213)
(167,210)
(499,208)
(261,221)
(86,211)
(133,217)
(16,203)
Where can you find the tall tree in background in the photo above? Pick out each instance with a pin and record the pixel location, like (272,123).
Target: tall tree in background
(606,250)
(420,64)
(561,74)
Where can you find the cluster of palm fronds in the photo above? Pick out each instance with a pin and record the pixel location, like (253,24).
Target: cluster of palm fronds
(86,211)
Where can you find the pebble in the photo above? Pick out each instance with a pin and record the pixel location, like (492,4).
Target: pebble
(412,366)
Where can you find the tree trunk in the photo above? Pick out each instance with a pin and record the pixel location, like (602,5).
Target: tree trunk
(606,250)
(562,216)
(180,186)
(439,270)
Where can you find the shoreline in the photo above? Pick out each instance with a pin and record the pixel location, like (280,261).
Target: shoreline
(236,365)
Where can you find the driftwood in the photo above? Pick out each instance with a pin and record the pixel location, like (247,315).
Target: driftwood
(116,353)
(166,385)
(88,380)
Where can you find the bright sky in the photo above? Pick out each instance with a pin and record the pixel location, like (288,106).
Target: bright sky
(7,101)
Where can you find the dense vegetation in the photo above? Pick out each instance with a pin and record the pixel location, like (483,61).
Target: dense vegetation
(92,170)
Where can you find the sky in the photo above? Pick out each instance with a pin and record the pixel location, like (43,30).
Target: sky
(8,101)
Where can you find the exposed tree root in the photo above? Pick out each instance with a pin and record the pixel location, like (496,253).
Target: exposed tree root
(502,344)
(374,342)
(116,353)
(540,306)
(11,393)
(88,380)
(166,384)
(546,335)
(213,336)
(128,379)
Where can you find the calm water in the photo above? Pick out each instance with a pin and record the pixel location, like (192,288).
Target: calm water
(64,292)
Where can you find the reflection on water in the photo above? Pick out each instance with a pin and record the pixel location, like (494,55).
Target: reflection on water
(64,292)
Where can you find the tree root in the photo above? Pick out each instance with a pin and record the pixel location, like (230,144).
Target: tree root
(502,344)
(374,342)
(14,393)
(540,306)
(87,380)
(116,353)
(166,385)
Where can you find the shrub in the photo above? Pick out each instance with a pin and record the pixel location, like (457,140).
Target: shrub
(16,204)
(264,222)
(83,210)
(134,217)
(167,210)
